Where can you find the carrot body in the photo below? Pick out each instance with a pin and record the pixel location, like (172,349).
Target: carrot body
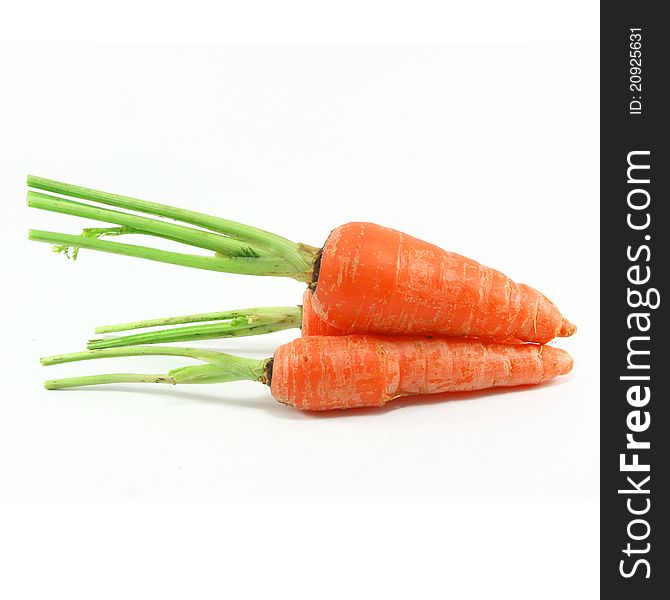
(313,324)
(379,280)
(325,373)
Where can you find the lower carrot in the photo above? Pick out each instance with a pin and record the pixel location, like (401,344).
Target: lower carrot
(340,372)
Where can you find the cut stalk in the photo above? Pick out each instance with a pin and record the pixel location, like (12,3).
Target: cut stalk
(299,256)
(210,356)
(270,266)
(70,382)
(201,317)
(256,323)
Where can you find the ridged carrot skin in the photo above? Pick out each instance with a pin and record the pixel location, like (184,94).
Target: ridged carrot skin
(379,280)
(326,373)
(313,324)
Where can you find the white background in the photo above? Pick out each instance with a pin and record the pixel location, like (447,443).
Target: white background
(487,149)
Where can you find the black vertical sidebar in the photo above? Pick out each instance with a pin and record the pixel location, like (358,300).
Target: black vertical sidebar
(635,342)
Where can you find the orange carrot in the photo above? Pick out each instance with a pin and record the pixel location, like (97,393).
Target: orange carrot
(339,372)
(324,373)
(367,278)
(225,324)
(379,280)
(313,324)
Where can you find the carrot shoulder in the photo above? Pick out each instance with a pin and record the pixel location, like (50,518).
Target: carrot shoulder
(217,325)
(312,324)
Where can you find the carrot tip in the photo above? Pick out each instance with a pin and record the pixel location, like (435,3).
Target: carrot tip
(567,329)
(565,364)
(556,362)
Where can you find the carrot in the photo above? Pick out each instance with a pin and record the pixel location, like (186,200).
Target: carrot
(379,280)
(339,372)
(325,373)
(225,324)
(367,278)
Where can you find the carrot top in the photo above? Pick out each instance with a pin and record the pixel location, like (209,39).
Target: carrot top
(218,368)
(214,325)
(236,248)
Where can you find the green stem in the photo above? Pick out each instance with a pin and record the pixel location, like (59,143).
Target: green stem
(300,256)
(70,382)
(221,368)
(143,225)
(246,266)
(256,323)
(201,317)
(210,356)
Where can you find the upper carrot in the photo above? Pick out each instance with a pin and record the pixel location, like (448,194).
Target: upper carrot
(339,372)
(367,278)
(376,279)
